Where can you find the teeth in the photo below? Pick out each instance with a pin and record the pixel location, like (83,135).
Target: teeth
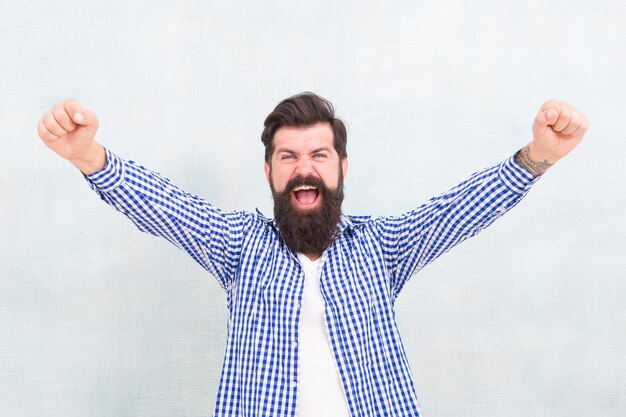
(305,187)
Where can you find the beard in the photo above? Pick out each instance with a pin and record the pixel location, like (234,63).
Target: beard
(310,231)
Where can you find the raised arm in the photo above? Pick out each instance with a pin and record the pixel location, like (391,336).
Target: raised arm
(416,238)
(213,238)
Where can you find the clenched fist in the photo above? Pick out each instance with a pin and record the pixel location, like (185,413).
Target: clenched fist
(557,129)
(69,130)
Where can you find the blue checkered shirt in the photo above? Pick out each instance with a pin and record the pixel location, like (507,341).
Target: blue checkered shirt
(365,269)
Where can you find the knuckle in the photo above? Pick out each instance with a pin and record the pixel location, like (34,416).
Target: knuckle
(567,110)
(48,118)
(550,103)
(44,133)
(573,127)
(53,126)
(63,118)
(70,104)
(58,108)
(59,113)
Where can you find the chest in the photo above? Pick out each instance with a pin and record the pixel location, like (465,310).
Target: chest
(270,281)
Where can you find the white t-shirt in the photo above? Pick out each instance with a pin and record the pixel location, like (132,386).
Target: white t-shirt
(319,388)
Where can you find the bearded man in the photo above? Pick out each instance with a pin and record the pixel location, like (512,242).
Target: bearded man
(311,293)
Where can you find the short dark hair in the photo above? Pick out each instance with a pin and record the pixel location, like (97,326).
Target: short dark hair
(303,110)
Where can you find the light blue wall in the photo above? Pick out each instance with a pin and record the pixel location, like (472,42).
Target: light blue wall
(526,319)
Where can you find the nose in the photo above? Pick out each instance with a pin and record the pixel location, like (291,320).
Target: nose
(304,167)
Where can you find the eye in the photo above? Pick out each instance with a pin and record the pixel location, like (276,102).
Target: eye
(320,155)
(287,156)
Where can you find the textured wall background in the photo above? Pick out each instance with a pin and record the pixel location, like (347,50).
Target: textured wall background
(527,318)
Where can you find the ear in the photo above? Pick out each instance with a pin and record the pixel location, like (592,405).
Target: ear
(344,166)
(267,172)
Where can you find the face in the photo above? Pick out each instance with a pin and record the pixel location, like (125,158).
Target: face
(301,152)
(306,178)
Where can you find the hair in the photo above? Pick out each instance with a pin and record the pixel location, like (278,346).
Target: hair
(303,110)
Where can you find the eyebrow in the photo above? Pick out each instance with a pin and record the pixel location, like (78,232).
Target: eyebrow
(325,148)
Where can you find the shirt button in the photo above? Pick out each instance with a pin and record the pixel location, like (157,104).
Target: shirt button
(294,344)
(294,384)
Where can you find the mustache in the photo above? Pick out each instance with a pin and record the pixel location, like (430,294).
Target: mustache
(298,181)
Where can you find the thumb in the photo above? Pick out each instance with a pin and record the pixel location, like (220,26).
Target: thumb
(544,119)
(74,110)
(79,116)
(85,118)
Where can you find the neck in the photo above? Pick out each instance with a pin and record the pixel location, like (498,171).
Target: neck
(312,256)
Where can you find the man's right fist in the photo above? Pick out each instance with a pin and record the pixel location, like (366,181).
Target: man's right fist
(68,130)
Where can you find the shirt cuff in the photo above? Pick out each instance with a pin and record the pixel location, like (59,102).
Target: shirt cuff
(110,176)
(515,176)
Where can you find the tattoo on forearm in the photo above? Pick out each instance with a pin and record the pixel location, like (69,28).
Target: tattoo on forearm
(536,168)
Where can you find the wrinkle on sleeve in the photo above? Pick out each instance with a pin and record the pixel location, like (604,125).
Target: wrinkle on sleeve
(212,237)
(416,238)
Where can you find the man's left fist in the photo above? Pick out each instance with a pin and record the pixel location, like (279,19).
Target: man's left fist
(557,129)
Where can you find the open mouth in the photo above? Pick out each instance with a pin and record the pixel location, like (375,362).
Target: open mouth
(306,195)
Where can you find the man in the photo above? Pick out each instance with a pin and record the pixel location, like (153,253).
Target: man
(311,293)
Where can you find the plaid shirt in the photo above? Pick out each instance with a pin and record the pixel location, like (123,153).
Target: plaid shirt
(365,269)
